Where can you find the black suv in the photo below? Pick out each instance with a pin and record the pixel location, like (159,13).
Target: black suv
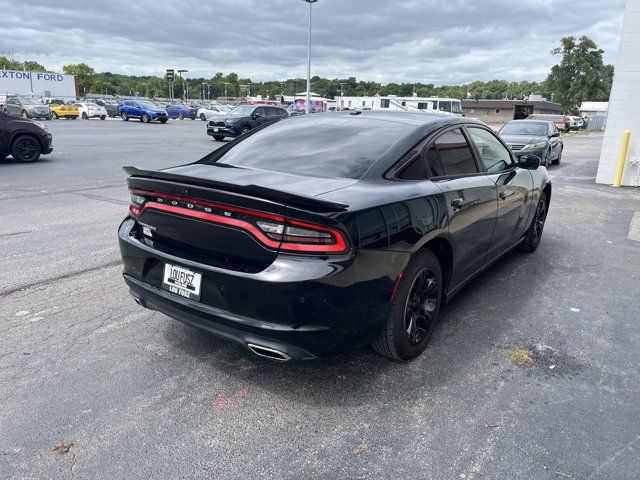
(242,119)
(23,139)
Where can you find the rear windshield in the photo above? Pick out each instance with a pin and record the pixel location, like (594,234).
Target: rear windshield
(318,145)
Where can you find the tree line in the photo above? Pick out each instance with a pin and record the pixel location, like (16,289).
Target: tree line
(580,75)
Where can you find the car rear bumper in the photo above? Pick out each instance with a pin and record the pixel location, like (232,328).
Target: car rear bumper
(304,307)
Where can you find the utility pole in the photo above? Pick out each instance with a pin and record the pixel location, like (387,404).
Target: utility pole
(184,92)
(307,107)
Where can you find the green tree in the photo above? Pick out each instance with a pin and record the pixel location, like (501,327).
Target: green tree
(8,63)
(99,85)
(83,73)
(32,66)
(581,74)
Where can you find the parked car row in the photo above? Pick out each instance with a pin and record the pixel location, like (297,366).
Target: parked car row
(564,123)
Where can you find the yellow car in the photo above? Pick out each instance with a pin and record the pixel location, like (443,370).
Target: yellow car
(64,111)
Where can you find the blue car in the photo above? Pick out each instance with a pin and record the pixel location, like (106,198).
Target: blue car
(145,110)
(181,112)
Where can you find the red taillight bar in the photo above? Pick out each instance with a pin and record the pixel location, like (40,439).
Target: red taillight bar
(340,245)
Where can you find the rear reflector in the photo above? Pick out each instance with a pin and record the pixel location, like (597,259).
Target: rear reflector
(273,231)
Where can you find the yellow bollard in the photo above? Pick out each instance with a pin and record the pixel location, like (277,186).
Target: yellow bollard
(622,157)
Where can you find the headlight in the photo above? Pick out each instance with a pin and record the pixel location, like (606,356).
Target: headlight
(533,146)
(229,122)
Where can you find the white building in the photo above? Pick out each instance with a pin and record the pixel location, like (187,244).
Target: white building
(451,106)
(594,109)
(624,102)
(37,84)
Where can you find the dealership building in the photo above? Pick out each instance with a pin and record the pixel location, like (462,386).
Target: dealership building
(502,111)
(37,84)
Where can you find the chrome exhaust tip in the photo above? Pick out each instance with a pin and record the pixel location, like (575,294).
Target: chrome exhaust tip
(270,353)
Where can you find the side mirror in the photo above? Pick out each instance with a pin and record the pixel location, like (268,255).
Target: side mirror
(554,134)
(256,115)
(529,162)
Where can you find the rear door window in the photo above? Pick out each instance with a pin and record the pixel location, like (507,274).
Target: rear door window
(455,154)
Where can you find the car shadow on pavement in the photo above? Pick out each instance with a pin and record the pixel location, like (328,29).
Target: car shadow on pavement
(463,341)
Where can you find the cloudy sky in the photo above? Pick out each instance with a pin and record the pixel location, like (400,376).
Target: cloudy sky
(432,41)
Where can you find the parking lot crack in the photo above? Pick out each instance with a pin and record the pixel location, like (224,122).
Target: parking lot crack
(11,291)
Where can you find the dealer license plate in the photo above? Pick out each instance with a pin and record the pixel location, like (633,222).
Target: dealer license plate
(182,281)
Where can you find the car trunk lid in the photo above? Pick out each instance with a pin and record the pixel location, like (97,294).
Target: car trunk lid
(228,221)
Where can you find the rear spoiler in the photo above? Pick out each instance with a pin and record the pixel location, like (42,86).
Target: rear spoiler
(309,203)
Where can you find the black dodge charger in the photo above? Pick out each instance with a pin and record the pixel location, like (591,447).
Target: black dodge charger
(324,232)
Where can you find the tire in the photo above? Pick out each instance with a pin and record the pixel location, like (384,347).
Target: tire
(557,160)
(145,118)
(48,117)
(203,117)
(25,114)
(534,233)
(102,117)
(85,116)
(180,116)
(26,149)
(3,156)
(218,138)
(54,115)
(164,120)
(244,130)
(124,116)
(75,117)
(406,334)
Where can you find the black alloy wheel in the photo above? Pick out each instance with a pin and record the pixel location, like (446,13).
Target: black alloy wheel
(26,149)
(422,303)
(414,310)
(534,234)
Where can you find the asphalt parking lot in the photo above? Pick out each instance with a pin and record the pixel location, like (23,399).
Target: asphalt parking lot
(137,395)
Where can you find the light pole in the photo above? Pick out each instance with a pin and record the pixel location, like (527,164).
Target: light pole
(307,106)
(182,83)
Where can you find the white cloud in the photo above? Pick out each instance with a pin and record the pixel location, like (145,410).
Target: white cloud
(439,42)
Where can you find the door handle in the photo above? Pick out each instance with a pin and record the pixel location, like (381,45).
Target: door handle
(456,203)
